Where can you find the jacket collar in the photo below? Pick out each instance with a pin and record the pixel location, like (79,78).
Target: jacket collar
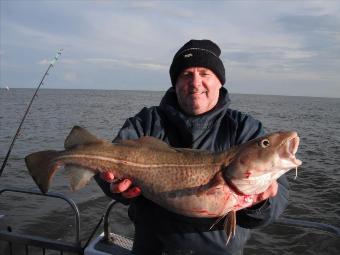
(192,128)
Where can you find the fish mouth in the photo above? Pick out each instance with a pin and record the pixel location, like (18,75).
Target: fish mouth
(290,147)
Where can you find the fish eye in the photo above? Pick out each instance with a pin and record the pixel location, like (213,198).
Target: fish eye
(264,143)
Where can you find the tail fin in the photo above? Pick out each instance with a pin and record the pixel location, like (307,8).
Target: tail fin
(42,166)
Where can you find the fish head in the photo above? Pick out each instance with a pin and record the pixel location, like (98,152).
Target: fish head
(259,162)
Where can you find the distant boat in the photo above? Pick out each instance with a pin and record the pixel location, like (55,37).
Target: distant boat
(7,88)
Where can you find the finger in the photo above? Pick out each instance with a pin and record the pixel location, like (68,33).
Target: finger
(107,176)
(274,189)
(258,198)
(270,192)
(121,186)
(132,192)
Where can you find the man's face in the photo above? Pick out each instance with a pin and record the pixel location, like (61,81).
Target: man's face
(197,90)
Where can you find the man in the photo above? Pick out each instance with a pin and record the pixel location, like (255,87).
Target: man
(194,113)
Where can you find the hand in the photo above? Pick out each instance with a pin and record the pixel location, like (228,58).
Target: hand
(124,186)
(270,192)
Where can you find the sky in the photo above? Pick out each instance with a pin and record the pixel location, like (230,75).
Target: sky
(268,47)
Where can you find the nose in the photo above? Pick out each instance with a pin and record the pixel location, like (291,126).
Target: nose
(196,80)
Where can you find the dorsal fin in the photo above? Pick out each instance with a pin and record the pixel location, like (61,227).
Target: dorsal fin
(148,141)
(78,136)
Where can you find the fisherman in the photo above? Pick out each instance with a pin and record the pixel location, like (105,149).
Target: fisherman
(194,113)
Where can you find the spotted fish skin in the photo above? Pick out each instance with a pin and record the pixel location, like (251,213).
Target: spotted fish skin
(190,182)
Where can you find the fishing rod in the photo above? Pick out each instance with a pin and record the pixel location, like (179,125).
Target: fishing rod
(54,60)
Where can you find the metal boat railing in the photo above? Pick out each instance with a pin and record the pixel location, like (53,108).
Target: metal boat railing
(44,244)
(110,243)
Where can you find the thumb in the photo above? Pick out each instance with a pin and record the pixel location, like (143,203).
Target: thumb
(107,176)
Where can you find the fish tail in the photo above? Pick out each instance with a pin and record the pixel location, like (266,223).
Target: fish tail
(42,166)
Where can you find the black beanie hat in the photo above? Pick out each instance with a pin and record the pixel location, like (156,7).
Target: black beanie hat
(197,53)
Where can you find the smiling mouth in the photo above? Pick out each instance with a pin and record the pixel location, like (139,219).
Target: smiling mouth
(194,93)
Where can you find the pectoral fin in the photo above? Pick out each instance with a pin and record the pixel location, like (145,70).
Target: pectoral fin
(79,176)
(230,225)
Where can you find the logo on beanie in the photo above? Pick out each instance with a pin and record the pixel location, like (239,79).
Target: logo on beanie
(188,55)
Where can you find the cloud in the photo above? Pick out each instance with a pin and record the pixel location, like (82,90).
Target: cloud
(150,66)
(112,63)
(281,40)
(101,61)
(44,62)
(317,31)
(270,59)
(70,77)
(22,36)
(320,36)
(69,61)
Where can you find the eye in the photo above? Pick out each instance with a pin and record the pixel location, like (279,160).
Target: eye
(264,143)
(186,75)
(204,74)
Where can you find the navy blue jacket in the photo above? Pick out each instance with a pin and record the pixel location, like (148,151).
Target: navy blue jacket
(217,130)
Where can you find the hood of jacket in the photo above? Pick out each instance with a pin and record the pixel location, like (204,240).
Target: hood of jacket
(193,129)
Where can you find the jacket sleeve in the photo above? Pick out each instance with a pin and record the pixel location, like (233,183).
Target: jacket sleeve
(269,210)
(132,129)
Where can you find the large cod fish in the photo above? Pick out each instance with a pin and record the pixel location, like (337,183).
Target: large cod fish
(190,182)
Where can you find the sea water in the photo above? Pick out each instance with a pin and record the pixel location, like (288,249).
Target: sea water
(314,195)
